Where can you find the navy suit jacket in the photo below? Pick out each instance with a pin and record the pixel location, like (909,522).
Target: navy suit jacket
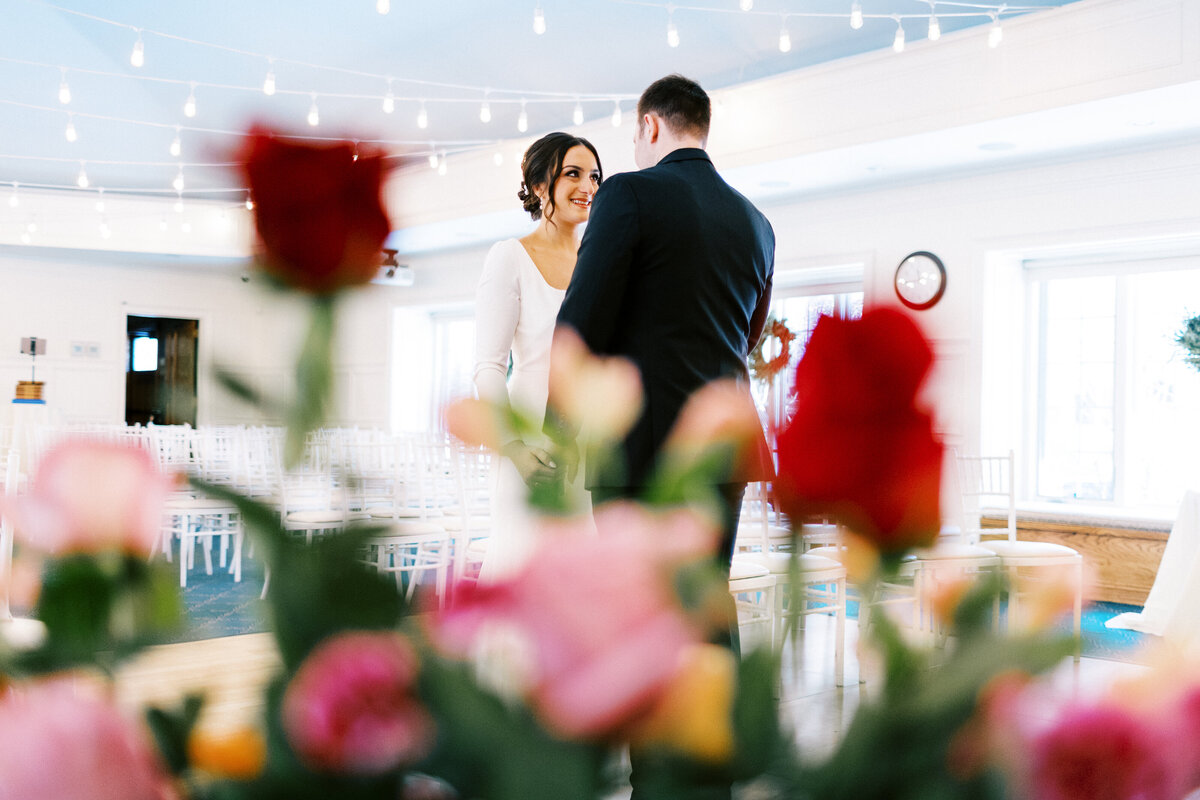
(674,273)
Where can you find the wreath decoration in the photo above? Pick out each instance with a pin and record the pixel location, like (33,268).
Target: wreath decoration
(1189,340)
(762,369)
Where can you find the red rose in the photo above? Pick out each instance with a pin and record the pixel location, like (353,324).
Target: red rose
(856,446)
(318,210)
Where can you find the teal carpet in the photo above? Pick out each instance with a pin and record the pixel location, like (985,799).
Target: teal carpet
(217,606)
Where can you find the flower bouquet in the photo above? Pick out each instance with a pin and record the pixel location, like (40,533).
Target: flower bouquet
(531,688)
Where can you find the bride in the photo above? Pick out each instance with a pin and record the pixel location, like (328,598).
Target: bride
(516,304)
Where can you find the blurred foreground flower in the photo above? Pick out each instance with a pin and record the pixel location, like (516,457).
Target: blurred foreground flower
(239,754)
(718,423)
(318,210)
(56,744)
(90,496)
(351,706)
(856,445)
(695,714)
(603,396)
(599,613)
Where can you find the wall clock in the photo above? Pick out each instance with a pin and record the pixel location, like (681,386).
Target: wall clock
(920,280)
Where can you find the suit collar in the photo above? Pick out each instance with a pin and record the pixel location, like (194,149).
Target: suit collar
(685,154)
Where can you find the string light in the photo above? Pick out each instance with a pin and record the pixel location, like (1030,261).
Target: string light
(14,199)
(898,42)
(785,38)
(314,116)
(389,99)
(81,180)
(539,20)
(441,170)
(856,15)
(176,144)
(498,158)
(616,115)
(105,231)
(26,238)
(577,114)
(189,107)
(185,227)
(672,31)
(64,90)
(995,32)
(746,5)
(100,200)
(935,27)
(485,112)
(31,227)
(138,57)
(422,117)
(177,184)
(70,132)
(433,158)
(178,202)
(523,119)
(269,81)
(383,6)
(249,202)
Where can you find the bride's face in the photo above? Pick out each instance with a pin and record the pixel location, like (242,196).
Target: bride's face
(577,183)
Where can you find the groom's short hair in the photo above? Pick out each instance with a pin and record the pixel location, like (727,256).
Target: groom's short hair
(681,103)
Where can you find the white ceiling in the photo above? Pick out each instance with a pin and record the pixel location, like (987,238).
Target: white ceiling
(445,51)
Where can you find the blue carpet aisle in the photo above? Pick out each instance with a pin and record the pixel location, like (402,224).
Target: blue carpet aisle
(216,606)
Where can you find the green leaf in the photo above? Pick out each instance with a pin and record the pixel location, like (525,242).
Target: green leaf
(756,730)
(171,730)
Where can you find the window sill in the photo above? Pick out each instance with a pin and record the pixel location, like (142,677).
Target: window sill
(1093,516)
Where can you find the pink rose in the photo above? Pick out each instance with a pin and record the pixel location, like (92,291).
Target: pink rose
(599,613)
(55,745)
(351,707)
(1105,753)
(89,496)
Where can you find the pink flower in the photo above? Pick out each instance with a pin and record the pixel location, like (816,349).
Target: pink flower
(55,745)
(351,707)
(89,496)
(1105,753)
(600,614)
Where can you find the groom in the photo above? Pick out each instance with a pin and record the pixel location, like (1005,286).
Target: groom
(674,273)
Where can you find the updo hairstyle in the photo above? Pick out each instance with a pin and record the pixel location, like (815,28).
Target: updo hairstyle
(541,165)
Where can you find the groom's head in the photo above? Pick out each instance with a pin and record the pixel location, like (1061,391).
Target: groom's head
(673,112)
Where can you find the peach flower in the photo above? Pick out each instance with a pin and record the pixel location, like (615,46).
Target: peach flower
(601,395)
(89,496)
(351,706)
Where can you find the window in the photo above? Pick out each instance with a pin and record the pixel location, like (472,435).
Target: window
(144,354)
(433,362)
(1116,410)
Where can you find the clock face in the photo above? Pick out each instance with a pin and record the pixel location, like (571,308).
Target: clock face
(920,280)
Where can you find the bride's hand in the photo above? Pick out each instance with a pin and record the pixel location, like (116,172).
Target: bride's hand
(534,464)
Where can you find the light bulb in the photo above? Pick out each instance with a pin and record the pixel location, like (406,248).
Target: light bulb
(935,29)
(71,134)
(433,160)
(442,165)
(523,119)
(383,6)
(269,82)
(898,42)
(13,199)
(81,180)
(179,203)
(162,224)
(389,99)
(498,158)
(189,107)
(746,5)
(31,227)
(177,184)
(856,17)
(249,203)
(785,40)
(672,34)
(185,227)
(26,238)
(105,231)
(577,115)
(64,90)
(616,115)
(138,57)
(422,117)
(539,20)
(176,145)
(100,201)
(995,33)
(485,112)
(314,116)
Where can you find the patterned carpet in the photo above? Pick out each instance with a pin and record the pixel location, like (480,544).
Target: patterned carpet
(217,606)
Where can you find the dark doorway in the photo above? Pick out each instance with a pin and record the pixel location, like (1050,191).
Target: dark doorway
(160,371)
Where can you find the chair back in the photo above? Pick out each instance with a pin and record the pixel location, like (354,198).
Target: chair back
(12,467)
(986,482)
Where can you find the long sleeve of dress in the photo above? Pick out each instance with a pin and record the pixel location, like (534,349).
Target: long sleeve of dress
(497,309)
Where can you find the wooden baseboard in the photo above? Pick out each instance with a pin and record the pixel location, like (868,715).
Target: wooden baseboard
(1120,563)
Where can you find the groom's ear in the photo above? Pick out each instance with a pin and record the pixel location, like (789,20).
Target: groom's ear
(651,121)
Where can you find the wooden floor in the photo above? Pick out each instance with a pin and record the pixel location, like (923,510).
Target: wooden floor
(234,670)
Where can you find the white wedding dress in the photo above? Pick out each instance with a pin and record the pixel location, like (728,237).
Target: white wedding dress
(515,311)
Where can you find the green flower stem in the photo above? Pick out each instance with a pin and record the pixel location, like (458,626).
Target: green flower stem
(314,379)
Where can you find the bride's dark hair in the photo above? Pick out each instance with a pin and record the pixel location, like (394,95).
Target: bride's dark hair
(541,165)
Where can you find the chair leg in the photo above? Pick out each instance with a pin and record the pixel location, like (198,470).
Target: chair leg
(839,633)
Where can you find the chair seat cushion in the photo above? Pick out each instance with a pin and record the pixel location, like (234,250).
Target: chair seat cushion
(780,563)
(953,550)
(395,512)
(316,515)
(414,528)
(467,524)
(1032,550)
(741,569)
(186,504)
